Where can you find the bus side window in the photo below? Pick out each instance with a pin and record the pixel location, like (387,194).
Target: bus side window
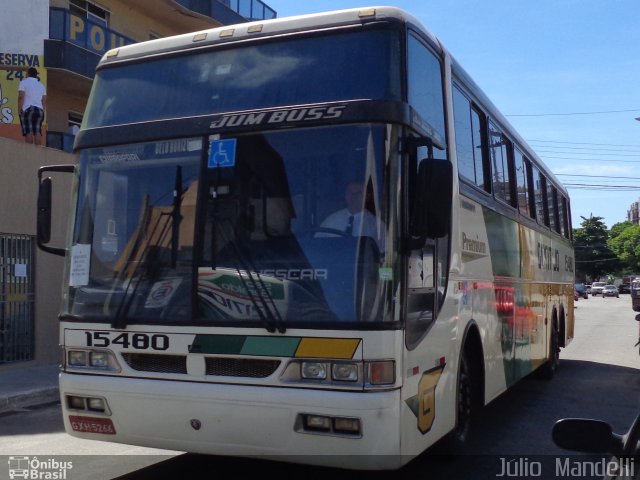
(425,85)
(539,192)
(521,182)
(552,205)
(564,217)
(502,167)
(469,140)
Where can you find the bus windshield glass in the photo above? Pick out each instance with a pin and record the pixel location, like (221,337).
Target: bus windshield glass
(347,66)
(284,228)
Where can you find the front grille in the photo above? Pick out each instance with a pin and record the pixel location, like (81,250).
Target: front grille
(144,362)
(240,367)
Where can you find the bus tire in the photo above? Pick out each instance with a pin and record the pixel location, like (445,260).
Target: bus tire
(468,393)
(549,368)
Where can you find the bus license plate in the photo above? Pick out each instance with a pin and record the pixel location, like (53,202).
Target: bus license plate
(92,425)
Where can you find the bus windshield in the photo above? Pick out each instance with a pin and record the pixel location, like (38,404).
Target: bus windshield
(347,66)
(275,228)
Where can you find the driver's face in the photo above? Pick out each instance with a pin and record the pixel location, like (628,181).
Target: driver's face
(353,197)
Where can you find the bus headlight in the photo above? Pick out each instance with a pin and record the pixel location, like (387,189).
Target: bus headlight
(78,358)
(341,374)
(314,370)
(92,360)
(99,359)
(344,372)
(96,404)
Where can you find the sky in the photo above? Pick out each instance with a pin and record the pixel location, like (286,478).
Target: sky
(565,73)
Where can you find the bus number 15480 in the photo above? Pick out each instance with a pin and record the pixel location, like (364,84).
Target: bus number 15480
(139,341)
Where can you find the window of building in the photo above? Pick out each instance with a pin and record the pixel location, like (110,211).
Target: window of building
(89,10)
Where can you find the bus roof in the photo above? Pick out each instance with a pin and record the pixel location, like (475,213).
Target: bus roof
(310,22)
(262,28)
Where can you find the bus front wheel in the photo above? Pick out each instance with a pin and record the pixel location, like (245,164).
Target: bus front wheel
(467,403)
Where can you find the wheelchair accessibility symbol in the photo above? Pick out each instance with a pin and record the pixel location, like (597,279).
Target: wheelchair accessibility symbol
(222,153)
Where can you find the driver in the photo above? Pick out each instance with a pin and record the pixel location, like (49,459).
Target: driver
(354,219)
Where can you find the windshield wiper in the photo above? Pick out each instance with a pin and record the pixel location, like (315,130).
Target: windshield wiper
(176,217)
(145,261)
(256,289)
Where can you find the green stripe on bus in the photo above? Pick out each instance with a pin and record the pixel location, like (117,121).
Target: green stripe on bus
(245,345)
(222,344)
(268,346)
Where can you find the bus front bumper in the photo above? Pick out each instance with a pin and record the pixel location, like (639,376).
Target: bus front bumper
(236,420)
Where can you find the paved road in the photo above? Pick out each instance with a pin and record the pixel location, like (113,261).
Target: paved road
(599,377)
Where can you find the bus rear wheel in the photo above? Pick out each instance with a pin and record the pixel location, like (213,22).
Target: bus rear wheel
(550,367)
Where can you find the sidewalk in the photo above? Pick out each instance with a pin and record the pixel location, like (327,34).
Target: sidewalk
(29,386)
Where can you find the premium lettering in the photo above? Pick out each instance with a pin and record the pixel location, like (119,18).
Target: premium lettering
(471,245)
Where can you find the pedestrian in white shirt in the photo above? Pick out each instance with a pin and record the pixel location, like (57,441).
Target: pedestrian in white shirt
(32,103)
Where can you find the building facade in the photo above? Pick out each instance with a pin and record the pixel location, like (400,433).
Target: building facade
(633,214)
(64,40)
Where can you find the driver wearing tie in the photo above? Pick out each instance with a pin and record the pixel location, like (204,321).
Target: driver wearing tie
(354,219)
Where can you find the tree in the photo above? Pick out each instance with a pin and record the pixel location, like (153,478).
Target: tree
(594,258)
(626,245)
(618,228)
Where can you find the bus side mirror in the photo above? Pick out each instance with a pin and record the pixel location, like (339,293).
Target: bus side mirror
(44,205)
(44,211)
(431,215)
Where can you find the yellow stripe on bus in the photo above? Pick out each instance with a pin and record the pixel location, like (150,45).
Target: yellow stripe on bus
(344,348)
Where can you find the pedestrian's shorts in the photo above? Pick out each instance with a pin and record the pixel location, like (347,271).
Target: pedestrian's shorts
(31,121)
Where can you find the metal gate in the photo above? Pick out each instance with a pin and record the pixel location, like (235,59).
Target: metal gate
(16,298)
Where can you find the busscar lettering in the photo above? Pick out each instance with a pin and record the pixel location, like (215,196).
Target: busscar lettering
(279,116)
(297,273)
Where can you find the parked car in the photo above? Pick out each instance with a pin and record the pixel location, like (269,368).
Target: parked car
(575,295)
(625,288)
(581,288)
(596,288)
(588,285)
(610,291)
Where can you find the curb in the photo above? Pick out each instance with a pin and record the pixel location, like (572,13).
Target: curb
(31,398)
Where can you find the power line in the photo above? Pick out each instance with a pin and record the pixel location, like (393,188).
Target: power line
(591,149)
(569,114)
(633,187)
(594,176)
(637,154)
(602,188)
(591,159)
(587,143)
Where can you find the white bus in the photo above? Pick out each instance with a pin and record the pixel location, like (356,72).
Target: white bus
(209,306)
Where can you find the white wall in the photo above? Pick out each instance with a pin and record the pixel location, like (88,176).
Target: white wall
(24,24)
